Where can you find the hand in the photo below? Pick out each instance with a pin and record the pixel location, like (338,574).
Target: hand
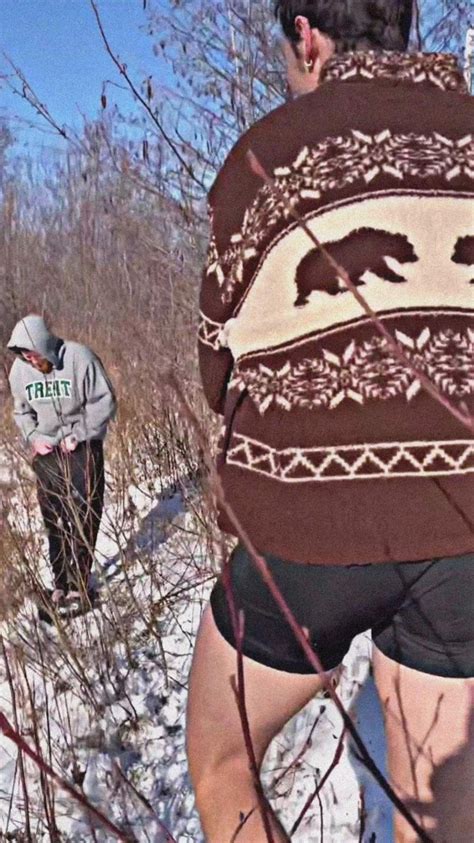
(68,445)
(40,449)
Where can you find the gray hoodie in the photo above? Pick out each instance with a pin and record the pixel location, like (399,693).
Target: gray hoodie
(74,400)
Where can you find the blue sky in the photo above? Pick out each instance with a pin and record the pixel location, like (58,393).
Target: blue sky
(57,45)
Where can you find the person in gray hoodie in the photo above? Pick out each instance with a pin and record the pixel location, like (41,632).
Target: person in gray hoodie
(63,403)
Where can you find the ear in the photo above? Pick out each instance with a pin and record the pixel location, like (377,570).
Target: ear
(302,79)
(306,39)
(314,48)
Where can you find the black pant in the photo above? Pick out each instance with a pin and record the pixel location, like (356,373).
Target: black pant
(71,495)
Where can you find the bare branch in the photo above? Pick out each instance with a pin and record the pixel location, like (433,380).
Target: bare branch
(13,735)
(298,632)
(143,102)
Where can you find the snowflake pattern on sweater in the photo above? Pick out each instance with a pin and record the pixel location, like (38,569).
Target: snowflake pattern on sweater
(369,370)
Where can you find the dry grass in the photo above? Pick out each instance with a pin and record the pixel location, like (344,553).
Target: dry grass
(109,270)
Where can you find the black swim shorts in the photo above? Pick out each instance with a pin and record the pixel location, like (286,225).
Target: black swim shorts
(421,613)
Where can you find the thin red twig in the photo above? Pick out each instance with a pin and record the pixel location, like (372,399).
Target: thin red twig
(21,744)
(307,745)
(21,765)
(320,785)
(142,798)
(238,686)
(298,632)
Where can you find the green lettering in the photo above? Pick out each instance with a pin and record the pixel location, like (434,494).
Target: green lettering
(38,390)
(44,390)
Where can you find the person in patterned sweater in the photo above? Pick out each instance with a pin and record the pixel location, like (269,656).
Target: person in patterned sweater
(351,475)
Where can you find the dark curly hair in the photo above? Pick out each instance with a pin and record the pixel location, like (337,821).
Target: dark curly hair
(352,24)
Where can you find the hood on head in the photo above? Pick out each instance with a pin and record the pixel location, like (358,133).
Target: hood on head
(31,334)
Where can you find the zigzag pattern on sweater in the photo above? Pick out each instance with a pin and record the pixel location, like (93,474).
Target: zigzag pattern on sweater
(352,462)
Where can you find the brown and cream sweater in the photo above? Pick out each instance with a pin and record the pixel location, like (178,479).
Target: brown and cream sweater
(332,452)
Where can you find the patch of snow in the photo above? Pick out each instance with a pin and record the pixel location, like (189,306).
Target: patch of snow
(132,727)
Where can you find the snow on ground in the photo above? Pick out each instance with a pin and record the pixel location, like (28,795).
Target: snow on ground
(111,693)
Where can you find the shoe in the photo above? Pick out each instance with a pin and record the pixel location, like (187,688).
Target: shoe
(56,604)
(79,602)
(73,597)
(50,604)
(57,597)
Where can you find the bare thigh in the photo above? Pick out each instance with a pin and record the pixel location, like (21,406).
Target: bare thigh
(429,723)
(214,731)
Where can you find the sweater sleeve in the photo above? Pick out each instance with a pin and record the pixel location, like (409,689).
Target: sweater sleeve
(25,416)
(99,405)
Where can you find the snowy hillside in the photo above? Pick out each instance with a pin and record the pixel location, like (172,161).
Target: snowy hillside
(104,700)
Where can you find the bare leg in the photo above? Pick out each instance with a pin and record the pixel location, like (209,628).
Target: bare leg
(218,760)
(430,733)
